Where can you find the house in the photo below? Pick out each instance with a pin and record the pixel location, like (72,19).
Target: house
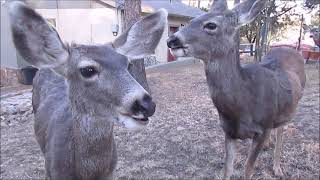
(94,22)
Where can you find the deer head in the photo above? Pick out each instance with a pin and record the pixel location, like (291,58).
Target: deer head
(97,76)
(211,35)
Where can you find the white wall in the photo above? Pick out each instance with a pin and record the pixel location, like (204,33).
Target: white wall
(8,52)
(93,26)
(84,26)
(162,49)
(177,21)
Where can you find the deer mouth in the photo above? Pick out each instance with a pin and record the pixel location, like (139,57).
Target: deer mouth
(132,122)
(179,51)
(141,120)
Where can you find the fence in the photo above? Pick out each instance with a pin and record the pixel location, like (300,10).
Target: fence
(150,61)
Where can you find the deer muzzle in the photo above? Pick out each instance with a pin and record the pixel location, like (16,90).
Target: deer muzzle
(174,42)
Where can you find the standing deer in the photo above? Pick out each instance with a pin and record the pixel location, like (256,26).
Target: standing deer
(86,90)
(251,100)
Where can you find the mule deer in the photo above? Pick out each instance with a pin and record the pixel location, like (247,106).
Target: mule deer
(86,90)
(250,100)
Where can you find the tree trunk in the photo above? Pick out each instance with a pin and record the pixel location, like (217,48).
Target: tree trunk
(257,55)
(132,13)
(237,38)
(300,34)
(265,35)
(199,4)
(266,28)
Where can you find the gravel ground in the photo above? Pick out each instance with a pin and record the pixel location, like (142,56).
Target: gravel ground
(182,141)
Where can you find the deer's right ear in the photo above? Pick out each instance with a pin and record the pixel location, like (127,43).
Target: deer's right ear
(37,42)
(142,38)
(248,10)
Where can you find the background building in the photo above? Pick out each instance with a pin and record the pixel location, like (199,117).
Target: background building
(91,22)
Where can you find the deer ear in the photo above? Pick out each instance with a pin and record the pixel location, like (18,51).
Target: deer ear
(247,11)
(218,6)
(143,37)
(36,41)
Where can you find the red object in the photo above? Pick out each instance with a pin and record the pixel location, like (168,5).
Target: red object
(307,51)
(172,30)
(294,46)
(311,55)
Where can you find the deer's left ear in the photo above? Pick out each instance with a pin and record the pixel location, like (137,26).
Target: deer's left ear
(248,10)
(143,37)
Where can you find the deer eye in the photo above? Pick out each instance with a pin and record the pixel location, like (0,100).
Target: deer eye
(210,26)
(88,72)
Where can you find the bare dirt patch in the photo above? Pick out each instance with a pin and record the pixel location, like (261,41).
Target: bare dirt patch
(183,140)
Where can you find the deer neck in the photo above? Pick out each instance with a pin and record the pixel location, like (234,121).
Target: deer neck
(93,144)
(224,76)
(91,128)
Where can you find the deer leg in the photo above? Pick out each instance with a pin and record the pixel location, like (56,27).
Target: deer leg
(256,146)
(277,152)
(268,140)
(229,159)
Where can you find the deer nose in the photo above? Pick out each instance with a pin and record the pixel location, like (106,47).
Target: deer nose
(174,42)
(144,106)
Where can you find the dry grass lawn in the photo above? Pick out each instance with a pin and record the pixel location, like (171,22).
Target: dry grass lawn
(184,139)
